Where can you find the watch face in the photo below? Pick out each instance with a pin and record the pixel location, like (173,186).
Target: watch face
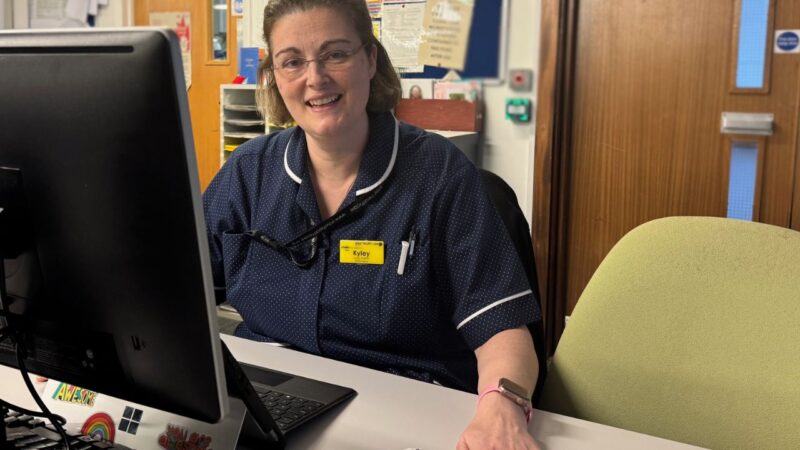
(513,388)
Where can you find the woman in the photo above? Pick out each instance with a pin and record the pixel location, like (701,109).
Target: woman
(362,239)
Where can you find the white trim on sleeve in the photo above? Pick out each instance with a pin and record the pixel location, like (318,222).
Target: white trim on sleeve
(488,307)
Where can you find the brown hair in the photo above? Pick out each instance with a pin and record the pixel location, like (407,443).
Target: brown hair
(384,88)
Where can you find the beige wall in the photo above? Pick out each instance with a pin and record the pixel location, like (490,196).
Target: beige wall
(508,149)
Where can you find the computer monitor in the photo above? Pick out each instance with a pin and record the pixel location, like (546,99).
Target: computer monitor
(101,228)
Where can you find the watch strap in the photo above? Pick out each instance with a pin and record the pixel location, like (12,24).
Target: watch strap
(527,407)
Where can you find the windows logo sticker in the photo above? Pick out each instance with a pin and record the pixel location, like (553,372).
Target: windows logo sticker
(131,418)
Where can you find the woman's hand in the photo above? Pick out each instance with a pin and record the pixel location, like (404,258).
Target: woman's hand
(499,424)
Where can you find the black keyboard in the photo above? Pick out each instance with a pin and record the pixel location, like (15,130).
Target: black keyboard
(287,410)
(26,432)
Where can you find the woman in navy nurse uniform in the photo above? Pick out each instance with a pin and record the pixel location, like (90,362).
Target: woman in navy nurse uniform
(366,240)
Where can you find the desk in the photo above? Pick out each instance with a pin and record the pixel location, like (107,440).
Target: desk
(466,141)
(392,412)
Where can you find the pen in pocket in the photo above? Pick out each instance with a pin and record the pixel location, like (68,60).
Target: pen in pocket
(412,239)
(401,265)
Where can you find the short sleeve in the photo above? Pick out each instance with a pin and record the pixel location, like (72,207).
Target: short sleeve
(218,217)
(476,263)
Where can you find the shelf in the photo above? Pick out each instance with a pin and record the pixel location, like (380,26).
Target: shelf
(245,122)
(234,107)
(242,135)
(240,119)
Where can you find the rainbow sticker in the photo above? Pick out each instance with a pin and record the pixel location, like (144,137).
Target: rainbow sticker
(99,426)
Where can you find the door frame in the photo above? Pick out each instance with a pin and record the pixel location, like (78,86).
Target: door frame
(551,159)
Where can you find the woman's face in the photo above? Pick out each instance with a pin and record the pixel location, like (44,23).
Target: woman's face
(416,92)
(327,102)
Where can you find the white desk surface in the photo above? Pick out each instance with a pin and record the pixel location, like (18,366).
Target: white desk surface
(453,134)
(392,412)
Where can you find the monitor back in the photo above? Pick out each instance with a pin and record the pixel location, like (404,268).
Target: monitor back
(114,292)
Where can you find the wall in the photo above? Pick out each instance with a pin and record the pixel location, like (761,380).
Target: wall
(117,13)
(5,15)
(508,147)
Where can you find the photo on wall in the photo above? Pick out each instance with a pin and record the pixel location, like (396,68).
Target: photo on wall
(418,88)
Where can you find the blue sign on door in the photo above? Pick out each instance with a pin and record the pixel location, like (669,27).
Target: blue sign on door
(787,41)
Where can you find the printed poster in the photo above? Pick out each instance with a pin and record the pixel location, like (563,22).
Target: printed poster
(446,26)
(401,32)
(181,22)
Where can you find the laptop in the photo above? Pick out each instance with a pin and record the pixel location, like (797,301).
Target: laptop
(277,402)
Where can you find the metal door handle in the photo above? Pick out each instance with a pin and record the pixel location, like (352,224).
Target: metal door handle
(747,123)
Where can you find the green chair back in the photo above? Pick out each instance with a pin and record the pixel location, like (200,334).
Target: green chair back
(689,330)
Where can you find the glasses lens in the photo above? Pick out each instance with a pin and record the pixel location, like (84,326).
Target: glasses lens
(337,59)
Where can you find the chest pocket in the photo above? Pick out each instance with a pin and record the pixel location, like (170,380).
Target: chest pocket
(269,291)
(409,308)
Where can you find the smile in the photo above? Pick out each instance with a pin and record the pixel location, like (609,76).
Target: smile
(324,101)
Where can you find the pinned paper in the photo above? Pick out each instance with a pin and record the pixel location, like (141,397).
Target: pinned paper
(446,26)
(401,27)
(181,22)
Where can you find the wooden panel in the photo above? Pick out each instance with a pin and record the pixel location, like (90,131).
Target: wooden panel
(641,142)
(553,120)
(630,98)
(450,115)
(207,75)
(783,101)
(543,192)
(795,220)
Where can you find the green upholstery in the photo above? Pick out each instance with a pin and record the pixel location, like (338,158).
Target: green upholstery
(689,330)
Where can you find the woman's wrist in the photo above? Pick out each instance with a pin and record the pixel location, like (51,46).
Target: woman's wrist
(512,392)
(495,404)
(496,399)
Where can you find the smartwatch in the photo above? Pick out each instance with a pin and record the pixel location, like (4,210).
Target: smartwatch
(513,392)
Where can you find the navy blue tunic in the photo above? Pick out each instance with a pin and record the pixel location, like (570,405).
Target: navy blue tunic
(463,284)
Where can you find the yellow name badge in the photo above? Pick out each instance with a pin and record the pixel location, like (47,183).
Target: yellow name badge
(361,252)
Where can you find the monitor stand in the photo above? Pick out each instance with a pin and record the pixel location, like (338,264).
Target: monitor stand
(258,429)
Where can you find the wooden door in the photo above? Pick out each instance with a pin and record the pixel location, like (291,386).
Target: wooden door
(628,129)
(207,75)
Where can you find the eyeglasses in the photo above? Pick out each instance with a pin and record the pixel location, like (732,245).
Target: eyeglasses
(333,60)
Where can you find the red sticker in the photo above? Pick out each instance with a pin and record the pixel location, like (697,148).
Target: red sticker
(179,438)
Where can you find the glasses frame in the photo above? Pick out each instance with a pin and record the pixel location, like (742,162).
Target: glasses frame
(320,60)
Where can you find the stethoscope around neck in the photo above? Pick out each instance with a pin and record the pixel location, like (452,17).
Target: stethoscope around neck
(292,250)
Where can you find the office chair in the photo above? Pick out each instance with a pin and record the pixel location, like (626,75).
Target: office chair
(689,330)
(505,202)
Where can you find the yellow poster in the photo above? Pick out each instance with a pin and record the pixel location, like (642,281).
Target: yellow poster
(445,36)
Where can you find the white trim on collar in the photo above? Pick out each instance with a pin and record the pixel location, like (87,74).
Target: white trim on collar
(391,162)
(362,191)
(289,172)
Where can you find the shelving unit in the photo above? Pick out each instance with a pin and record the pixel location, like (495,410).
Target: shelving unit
(240,119)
